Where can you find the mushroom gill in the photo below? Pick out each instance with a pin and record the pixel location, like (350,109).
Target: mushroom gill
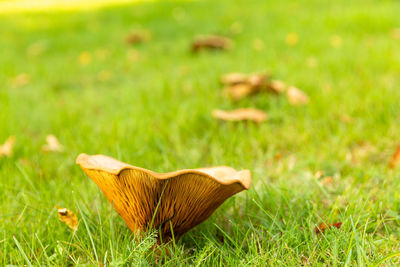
(173,202)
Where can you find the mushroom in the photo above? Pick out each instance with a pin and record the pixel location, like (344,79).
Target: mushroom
(172,203)
(211,42)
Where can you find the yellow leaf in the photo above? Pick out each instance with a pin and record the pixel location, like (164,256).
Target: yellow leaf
(336,41)
(296,97)
(395,158)
(68,217)
(238,91)
(85,58)
(327,180)
(133,55)
(277,86)
(241,114)
(319,174)
(53,145)
(240,85)
(292,39)
(6,149)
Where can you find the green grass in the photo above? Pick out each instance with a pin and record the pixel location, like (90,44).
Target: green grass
(155,109)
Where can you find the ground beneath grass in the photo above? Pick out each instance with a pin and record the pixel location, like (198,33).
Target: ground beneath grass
(72,74)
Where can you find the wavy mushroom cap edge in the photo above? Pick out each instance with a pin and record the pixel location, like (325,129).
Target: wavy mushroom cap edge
(172,202)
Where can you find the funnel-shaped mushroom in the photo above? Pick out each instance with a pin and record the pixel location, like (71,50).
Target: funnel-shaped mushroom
(174,201)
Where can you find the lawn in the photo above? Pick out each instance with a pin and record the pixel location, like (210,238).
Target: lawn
(71,74)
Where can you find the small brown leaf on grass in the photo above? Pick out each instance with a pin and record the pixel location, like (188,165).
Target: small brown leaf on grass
(6,149)
(276,86)
(320,229)
(258,80)
(326,180)
(395,158)
(234,78)
(255,80)
(53,145)
(242,114)
(211,42)
(240,85)
(238,91)
(137,37)
(319,174)
(296,97)
(68,217)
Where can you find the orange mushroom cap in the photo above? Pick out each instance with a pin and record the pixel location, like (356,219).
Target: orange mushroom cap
(173,202)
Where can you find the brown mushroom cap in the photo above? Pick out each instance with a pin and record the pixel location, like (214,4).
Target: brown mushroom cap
(184,198)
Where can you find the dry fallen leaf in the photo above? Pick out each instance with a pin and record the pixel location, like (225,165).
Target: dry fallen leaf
(240,85)
(211,42)
(326,180)
(258,80)
(278,156)
(53,145)
(276,86)
(319,174)
(320,229)
(296,97)
(6,149)
(241,114)
(292,39)
(234,78)
(68,217)
(395,158)
(255,80)
(238,91)
(138,37)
